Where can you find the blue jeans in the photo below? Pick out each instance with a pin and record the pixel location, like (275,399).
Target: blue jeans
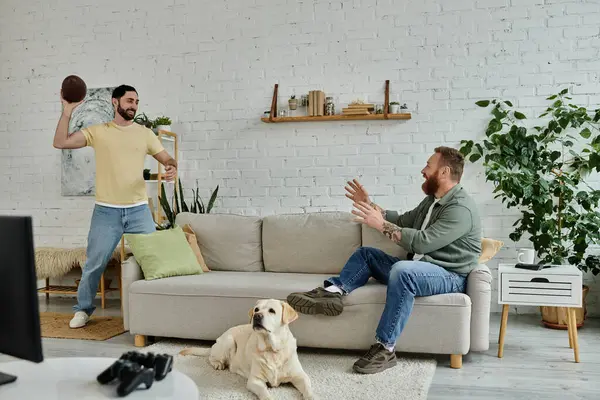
(404,279)
(107,227)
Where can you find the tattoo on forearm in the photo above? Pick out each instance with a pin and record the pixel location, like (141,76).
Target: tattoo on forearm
(381,210)
(393,232)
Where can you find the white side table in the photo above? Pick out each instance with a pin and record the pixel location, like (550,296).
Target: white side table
(558,286)
(75,378)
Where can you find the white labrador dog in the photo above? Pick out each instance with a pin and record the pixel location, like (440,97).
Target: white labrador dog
(263,351)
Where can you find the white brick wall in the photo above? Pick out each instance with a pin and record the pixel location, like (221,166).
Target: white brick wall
(212,66)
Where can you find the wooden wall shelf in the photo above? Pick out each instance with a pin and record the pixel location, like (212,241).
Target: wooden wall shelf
(272,118)
(338,117)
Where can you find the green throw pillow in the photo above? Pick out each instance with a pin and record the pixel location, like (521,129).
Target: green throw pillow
(164,253)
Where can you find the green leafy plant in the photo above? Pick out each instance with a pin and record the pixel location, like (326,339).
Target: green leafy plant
(393,103)
(143,119)
(197,206)
(541,171)
(169,213)
(162,121)
(179,205)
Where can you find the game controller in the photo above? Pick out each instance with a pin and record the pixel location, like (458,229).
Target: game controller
(161,363)
(133,369)
(129,373)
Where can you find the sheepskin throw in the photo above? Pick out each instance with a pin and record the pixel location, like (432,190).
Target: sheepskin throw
(54,262)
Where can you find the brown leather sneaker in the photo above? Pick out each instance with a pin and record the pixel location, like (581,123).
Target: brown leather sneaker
(316,301)
(377,359)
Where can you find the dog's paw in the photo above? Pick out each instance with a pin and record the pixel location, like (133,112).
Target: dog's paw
(218,365)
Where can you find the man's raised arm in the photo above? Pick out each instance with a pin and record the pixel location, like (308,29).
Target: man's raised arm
(62,139)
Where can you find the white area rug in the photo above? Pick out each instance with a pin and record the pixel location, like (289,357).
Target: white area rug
(330,373)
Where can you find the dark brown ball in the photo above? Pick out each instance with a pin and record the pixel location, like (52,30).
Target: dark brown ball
(73,89)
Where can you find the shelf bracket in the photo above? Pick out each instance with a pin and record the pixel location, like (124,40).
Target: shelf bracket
(387,99)
(273,113)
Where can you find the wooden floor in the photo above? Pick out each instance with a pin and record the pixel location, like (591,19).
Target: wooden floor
(537,362)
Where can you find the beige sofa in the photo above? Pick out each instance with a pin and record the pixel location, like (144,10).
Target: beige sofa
(253,258)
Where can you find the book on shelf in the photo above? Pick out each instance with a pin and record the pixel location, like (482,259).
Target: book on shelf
(321,103)
(367,106)
(316,103)
(364,112)
(359,108)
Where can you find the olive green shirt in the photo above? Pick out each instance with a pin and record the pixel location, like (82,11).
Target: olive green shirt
(451,239)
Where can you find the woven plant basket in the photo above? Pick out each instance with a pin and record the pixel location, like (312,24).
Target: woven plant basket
(556,317)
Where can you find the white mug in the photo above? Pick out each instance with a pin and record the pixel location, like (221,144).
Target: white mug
(526,256)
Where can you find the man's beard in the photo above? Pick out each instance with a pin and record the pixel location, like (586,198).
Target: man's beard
(123,113)
(431,185)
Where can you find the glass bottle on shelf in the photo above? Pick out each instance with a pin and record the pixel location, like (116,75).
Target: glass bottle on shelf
(329,106)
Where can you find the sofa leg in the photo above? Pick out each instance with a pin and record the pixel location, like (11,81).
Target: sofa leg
(456,361)
(140,340)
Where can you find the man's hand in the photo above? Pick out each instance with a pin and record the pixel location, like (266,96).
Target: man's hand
(68,107)
(372,217)
(170,171)
(170,164)
(357,192)
(368,215)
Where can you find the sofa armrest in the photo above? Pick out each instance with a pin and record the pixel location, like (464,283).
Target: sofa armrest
(130,272)
(479,289)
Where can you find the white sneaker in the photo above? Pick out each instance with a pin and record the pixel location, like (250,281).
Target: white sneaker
(79,320)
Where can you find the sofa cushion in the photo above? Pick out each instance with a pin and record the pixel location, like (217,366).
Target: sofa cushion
(314,243)
(193,242)
(489,248)
(163,253)
(373,238)
(276,285)
(228,242)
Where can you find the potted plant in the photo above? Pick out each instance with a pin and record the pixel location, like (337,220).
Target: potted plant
(394,107)
(162,124)
(143,119)
(540,169)
(292,102)
(179,205)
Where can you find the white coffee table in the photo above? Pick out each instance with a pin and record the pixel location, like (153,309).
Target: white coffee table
(75,378)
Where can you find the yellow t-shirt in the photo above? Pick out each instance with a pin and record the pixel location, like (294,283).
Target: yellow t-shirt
(120,152)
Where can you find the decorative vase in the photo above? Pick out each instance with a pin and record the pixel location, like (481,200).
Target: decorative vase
(556,317)
(163,128)
(293,104)
(394,108)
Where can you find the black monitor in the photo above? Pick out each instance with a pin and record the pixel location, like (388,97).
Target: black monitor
(20,332)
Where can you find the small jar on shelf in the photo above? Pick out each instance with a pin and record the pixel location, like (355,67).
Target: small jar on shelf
(329,106)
